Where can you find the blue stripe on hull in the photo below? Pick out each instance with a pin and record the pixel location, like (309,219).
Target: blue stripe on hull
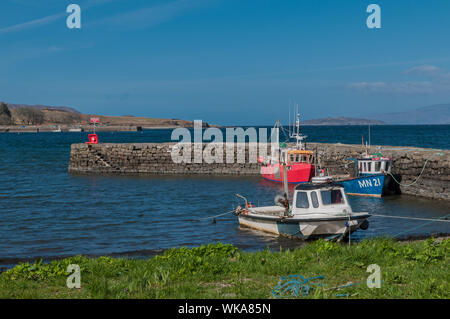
(372,185)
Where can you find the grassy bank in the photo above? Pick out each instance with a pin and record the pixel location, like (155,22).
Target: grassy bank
(408,270)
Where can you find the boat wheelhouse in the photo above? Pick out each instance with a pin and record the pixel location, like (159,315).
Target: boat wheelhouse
(297,160)
(317,210)
(373,164)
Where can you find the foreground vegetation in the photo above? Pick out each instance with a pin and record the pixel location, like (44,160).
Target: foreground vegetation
(408,270)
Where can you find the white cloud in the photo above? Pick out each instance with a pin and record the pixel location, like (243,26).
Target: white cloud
(424,70)
(143,17)
(424,87)
(48,19)
(32,23)
(436,80)
(151,16)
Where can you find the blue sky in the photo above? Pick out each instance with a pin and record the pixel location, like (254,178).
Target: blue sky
(226,61)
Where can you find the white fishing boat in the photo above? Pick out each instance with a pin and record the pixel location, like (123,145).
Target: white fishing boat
(318,209)
(57,130)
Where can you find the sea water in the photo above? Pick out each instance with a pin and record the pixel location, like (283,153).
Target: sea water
(46,212)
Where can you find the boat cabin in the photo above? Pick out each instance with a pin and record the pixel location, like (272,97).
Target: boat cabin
(320,198)
(290,156)
(374,165)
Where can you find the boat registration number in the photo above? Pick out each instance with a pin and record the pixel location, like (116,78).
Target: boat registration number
(368,182)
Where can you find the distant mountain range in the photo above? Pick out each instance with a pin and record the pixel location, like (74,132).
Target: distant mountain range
(433,114)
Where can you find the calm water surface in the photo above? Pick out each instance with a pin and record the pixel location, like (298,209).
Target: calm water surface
(45,212)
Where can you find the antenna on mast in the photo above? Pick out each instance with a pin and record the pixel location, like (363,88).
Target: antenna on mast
(296,132)
(289,125)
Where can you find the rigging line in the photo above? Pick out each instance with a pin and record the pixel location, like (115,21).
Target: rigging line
(271,132)
(284,133)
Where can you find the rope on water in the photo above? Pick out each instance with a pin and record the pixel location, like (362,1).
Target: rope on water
(440,219)
(420,226)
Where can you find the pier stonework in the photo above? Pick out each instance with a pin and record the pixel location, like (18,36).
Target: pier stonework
(155,158)
(151,158)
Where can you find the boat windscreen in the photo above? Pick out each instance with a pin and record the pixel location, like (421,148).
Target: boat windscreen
(314,199)
(333,196)
(377,166)
(302,200)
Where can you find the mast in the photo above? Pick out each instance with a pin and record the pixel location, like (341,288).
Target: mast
(278,132)
(285,188)
(289,127)
(275,141)
(297,134)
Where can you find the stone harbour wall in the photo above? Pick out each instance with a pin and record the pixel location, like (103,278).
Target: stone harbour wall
(406,161)
(155,158)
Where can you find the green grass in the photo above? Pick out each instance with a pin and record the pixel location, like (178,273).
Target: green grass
(408,270)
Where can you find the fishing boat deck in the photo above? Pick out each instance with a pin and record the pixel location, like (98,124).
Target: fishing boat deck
(341,177)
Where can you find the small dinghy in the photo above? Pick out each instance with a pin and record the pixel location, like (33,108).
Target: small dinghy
(318,210)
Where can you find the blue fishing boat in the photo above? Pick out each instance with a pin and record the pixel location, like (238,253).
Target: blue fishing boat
(373,177)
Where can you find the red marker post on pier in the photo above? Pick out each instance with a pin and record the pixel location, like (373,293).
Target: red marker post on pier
(93,138)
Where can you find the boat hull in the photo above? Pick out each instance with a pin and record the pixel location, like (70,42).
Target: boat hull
(297,173)
(371,185)
(332,228)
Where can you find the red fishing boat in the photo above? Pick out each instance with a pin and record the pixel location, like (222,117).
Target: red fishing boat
(298,161)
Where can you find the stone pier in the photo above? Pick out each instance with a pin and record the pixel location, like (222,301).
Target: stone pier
(155,158)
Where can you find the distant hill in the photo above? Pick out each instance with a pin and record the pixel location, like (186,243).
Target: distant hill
(40,107)
(434,114)
(342,121)
(63,115)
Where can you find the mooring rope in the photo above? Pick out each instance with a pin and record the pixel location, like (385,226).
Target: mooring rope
(440,219)
(209,217)
(296,285)
(421,172)
(417,179)
(425,224)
